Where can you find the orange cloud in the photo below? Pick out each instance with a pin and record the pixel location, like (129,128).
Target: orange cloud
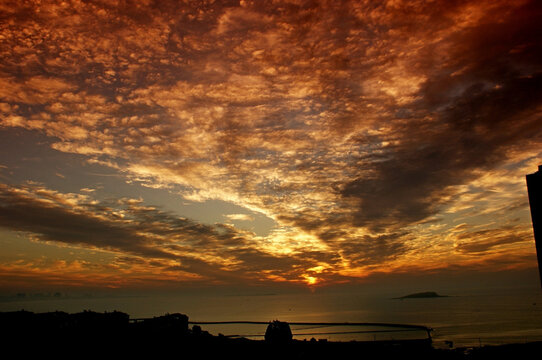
(366,131)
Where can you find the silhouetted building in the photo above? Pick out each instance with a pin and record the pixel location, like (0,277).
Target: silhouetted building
(169,323)
(60,325)
(90,322)
(534,188)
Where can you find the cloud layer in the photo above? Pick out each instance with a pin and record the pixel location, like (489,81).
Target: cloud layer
(358,127)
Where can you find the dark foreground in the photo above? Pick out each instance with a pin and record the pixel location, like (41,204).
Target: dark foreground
(113,335)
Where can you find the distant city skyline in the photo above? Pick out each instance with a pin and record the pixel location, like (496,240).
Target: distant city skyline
(266,143)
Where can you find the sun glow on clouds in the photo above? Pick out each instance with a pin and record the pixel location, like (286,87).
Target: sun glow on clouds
(368,132)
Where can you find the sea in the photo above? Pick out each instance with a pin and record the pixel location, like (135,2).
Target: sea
(462,319)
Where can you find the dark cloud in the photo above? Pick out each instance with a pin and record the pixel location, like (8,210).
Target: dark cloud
(132,229)
(482,241)
(475,118)
(375,250)
(51,221)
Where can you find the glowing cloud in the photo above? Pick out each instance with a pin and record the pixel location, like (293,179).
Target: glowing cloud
(367,131)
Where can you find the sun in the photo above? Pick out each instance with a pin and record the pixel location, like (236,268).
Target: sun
(311,280)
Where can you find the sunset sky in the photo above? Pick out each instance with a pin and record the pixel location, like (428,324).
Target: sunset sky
(285,142)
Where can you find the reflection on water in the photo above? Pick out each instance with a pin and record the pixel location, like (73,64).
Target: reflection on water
(466,319)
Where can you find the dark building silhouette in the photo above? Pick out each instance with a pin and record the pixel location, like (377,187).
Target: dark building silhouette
(534,188)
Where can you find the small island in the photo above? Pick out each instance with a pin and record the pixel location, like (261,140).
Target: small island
(422,295)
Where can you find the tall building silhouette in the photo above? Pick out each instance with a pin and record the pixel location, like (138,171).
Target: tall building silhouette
(534,188)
